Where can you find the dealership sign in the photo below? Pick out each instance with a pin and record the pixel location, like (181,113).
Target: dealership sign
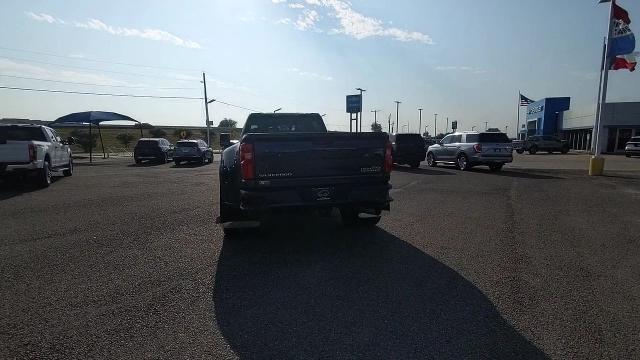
(535,109)
(354,104)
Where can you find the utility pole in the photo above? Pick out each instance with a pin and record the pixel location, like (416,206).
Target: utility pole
(506,129)
(375,115)
(361,91)
(446,130)
(435,124)
(206,108)
(420,126)
(389,121)
(486,125)
(397,114)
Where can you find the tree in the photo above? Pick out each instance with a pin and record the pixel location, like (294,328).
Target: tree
(227,123)
(440,136)
(143,125)
(125,139)
(159,133)
(85,141)
(376,127)
(426,134)
(183,133)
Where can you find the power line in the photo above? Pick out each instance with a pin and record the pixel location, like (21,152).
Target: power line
(91,84)
(94,69)
(96,60)
(122,95)
(99,94)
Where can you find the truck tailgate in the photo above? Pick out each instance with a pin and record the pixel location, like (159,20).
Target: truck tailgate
(14,152)
(311,155)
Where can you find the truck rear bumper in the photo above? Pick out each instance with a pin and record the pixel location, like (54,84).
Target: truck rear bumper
(373,196)
(483,159)
(17,167)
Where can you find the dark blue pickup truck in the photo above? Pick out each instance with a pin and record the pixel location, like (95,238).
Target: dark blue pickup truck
(291,162)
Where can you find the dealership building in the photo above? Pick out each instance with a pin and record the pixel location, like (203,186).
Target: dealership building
(553,116)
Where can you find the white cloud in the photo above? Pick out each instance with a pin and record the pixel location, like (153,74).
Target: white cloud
(45,18)
(150,34)
(310,74)
(307,19)
(296,6)
(460,68)
(355,24)
(278,1)
(95,24)
(285,21)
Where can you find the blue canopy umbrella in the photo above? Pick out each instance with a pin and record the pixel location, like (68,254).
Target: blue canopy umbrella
(94,117)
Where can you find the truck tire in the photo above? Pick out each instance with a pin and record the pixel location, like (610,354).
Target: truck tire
(520,151)
(69,171)
(533,150)
(138,161)
(496,167)
(202,160)
(350,218)
(431,160)
(415,164)
(564,150)
(44,175)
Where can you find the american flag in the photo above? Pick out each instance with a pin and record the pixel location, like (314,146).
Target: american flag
(525,101)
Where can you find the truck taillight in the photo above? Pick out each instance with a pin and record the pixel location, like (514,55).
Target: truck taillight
(477,148)
(33,153)
(246,162)
(388,158)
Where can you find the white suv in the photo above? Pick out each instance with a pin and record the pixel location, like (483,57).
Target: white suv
(36,150)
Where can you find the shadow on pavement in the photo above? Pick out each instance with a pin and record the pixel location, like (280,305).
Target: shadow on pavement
(517,174)
(189,165)
(421,171)
(314,289)
(16,186)
(147,164)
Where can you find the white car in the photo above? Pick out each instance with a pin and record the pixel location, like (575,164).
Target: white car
(35,150)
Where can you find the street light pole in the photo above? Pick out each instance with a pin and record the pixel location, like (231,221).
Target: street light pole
(435,124)
(361,91)
(276,110)
(486,125)
(397,113)
(446,130)
(420,125)
(473,128)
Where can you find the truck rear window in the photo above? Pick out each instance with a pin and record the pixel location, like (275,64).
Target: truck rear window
(500,138)
(284,123)
(409,139)
(186,144)
(21,133)
(147,143)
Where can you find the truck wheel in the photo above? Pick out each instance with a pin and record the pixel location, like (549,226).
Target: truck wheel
(415,165)
(211,159)
(431,160)
(69,171)
(138,161)
(177,162)
(564,150)
(533,150)
(164,159)
(627,155)
(520,151)
(350,218)
(462,162)
(495,167)
(202,162)
(44,175)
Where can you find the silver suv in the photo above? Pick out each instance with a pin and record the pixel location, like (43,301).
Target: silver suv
(468,149)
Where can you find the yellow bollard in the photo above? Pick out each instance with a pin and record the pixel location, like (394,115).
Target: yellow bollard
(596,166)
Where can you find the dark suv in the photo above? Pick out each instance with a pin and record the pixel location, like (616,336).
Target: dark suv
(156,149)
(547,143)
(408,149)
(192,150)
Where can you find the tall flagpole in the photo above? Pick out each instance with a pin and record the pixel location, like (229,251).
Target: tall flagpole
(604,56)
(605,81)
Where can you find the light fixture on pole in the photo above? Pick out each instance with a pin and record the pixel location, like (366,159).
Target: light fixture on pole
(276,110)
(473,128)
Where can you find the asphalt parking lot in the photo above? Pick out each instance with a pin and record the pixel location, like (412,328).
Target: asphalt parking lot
(125,261)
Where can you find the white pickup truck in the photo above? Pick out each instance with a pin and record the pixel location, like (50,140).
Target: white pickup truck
(34,150)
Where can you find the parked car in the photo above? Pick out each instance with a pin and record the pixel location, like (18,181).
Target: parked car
(192,150)
(468,149)
(547,143)
(408,149)
(156,149)
(632,147)
(290,161)
(34,150)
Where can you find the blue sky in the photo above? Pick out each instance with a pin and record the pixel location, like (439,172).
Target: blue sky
(464,59)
